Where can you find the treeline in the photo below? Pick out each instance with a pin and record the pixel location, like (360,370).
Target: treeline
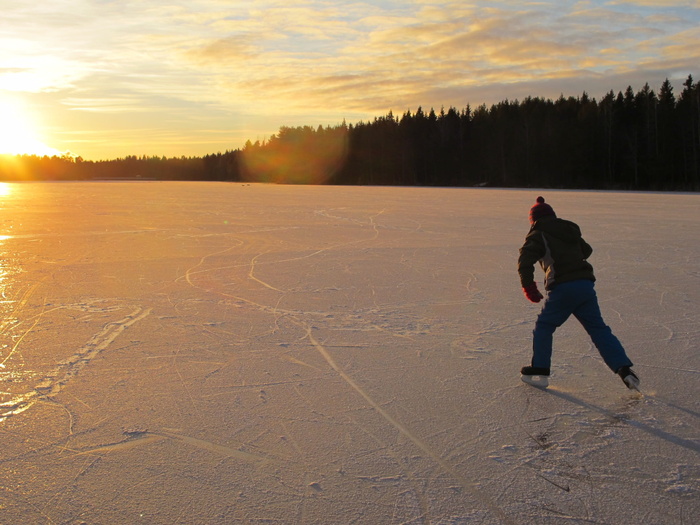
(67,168)
(633,140)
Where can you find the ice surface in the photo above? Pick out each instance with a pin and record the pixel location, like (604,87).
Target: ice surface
(204,353)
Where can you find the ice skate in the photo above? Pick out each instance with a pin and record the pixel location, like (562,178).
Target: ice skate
(629,378)
(535,376)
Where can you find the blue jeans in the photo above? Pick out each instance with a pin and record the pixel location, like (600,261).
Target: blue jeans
(577,298)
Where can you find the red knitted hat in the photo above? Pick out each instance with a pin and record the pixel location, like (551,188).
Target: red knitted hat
(540,210)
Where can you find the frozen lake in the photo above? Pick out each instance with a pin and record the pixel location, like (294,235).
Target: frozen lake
(205,353)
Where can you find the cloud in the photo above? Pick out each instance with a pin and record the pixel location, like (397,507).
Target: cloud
(658,3)
(295,53)
(400,57)
(224,51)
(297,62)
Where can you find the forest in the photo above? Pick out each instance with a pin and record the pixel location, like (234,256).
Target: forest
(642,140)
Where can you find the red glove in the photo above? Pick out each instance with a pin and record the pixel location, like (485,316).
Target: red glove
(532,293)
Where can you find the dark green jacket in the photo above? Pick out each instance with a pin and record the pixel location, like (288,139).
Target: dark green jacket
(561,251)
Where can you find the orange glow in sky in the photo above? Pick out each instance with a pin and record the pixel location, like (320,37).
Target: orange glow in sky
(154,77)
(17,133)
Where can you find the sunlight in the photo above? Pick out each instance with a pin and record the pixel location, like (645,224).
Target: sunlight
(5,190)
(17,136)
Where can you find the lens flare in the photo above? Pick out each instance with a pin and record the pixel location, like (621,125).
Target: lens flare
(297,156)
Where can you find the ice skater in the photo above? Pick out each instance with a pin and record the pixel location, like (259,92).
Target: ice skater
(562,252)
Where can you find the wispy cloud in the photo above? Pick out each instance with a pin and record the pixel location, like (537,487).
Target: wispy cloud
(310,60)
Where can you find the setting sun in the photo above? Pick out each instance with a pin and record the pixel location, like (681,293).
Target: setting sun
(17,134)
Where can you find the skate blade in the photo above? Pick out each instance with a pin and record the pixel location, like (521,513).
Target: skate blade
(632,383)
(536,381)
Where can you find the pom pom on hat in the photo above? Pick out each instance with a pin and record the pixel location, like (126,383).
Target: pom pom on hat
(539,210)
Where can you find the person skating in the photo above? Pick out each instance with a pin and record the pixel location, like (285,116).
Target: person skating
(562,252)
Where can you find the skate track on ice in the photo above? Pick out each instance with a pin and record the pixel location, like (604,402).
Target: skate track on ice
(224,353)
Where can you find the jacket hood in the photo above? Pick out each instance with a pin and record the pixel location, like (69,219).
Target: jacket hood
(563,230)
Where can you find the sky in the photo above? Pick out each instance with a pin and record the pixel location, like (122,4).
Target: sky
(104,79)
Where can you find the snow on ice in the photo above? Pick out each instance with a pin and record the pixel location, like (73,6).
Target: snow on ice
(205,353)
